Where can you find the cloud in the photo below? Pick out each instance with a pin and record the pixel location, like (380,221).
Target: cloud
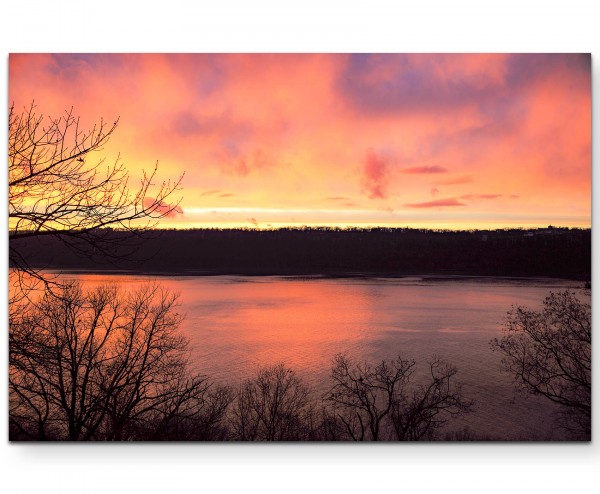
(253,221)
(189,124)
(242,168)
(186,124)
(257,160)
(410,83)
(210,192)
(464,179)
(342,201)
(514,196)
(436,204)
(438,83)
(516,123)
(337,198)
(481,196)
(523,69)
(375,176)
(226,195)
(425,169)
(162,208)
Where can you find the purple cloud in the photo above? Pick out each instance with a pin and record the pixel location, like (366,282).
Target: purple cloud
(425,169)
(409,83)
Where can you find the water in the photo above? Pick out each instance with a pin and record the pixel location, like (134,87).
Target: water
(237,324)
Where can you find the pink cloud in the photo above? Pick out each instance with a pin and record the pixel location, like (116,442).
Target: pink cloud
(481,196)
(253,221)
(436,204)
(242,168)
(164,209)
(425,169)
(464,179)
(520,124)
(337,198)
(257,160)
(375,176)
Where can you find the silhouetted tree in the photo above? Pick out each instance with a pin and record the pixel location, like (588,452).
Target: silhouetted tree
(104,365)
(378,402)
(196,412)
(549,353)
(274,406)
(419,413)
(363,396)
(58,188)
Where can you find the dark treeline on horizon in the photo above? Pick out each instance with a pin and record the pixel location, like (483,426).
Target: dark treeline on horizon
(550,252)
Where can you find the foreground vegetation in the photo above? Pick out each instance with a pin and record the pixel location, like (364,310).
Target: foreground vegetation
(108,366)
(102,365)
(549,353)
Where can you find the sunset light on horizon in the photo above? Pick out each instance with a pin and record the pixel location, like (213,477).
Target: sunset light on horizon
(452,141)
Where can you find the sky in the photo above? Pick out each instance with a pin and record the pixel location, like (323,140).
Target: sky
(456,141)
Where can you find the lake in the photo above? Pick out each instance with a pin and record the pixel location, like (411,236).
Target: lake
(237,324)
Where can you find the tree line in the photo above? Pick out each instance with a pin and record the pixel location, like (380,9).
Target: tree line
(385,251)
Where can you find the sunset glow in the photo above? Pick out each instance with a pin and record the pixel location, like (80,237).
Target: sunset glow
(265,141)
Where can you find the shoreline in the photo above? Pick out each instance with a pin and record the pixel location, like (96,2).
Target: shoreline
(422,277)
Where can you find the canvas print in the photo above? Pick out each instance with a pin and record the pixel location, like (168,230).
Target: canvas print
(299,247)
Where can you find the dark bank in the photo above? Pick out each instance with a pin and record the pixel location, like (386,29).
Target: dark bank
(545,252)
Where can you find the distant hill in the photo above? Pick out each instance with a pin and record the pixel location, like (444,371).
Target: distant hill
(551,252)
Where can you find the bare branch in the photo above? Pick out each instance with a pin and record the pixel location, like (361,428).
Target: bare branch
(549,353)
(59,187)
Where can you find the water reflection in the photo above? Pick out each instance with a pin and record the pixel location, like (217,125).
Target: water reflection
(237,324)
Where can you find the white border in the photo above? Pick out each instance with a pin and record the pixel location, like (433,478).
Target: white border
(307,26)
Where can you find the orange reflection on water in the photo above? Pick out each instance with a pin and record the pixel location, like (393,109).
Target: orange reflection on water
(238,324)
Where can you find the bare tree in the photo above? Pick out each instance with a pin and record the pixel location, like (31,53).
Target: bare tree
(421,412)
(549,353)
(57,187)
(274,406)
(108,366)
(196,411)
(378,402)
(363,395)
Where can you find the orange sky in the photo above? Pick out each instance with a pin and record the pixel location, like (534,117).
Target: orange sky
(442,141)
